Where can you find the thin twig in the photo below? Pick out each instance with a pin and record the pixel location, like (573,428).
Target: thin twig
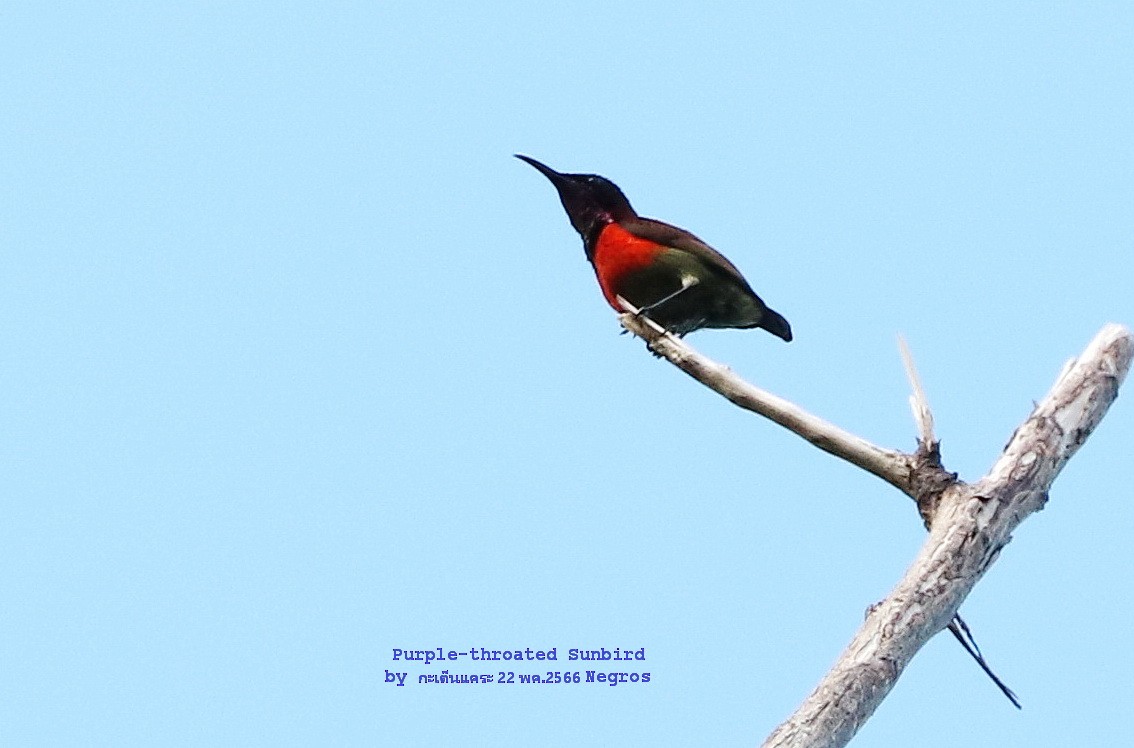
(890,465)
(923,416)
(959,629)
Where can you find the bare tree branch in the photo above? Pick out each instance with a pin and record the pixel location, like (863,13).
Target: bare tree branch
(929,448)
(890,465)
(968,523)
(923,416)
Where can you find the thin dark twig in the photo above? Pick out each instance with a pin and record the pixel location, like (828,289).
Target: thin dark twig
(961,631)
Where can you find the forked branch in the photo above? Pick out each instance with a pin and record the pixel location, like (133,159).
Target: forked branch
(968,523)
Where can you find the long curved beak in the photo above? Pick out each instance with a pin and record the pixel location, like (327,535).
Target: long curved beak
(574,193)
(556,178)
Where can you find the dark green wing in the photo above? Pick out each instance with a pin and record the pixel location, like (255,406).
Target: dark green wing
(671,236)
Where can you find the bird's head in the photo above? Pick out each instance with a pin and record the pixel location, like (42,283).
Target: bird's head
(591,201)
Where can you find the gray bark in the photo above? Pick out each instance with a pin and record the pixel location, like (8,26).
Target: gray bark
(968,524)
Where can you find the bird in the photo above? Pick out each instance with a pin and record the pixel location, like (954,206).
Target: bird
(673,277)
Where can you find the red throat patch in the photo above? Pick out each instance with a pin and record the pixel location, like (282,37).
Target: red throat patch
(618,252)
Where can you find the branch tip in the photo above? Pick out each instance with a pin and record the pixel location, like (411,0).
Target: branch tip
(919,405)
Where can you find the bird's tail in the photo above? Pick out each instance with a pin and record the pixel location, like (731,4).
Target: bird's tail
(774,323)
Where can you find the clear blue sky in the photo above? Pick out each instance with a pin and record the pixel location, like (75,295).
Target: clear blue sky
(301,366)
